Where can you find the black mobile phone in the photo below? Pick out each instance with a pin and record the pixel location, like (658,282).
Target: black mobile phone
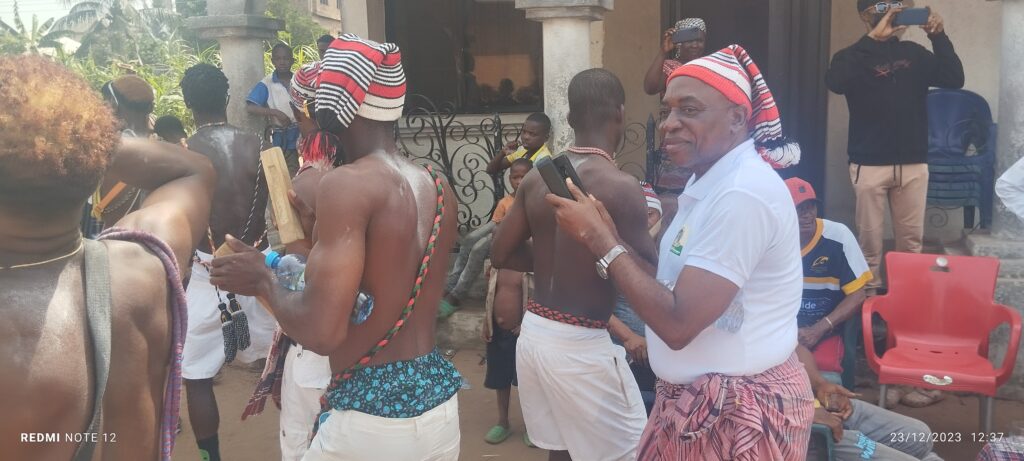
(912,17)
(554,171)
(685,35)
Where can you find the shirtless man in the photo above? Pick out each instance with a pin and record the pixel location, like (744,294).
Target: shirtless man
(237,209)
(49,383)
(578,395)
(374,217)
(131,98)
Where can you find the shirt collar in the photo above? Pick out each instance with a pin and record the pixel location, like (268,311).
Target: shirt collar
(273,77)
(699,188)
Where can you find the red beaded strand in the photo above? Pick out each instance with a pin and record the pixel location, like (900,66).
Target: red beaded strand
(591,151)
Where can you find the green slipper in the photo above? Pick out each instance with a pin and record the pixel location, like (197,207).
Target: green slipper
(446,309)
(526,440)
(496,435)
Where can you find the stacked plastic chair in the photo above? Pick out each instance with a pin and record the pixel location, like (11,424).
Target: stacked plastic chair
(961,175)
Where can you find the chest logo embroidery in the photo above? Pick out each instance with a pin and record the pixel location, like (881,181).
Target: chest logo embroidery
(680,240)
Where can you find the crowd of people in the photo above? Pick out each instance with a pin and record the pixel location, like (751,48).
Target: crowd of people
(700,319)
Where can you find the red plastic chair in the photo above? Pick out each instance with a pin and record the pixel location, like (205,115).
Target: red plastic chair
(940,312)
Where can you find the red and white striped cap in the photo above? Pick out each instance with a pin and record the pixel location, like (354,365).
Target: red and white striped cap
(361,77)
(733,73)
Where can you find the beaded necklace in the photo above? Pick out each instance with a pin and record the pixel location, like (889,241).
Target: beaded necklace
(591,151)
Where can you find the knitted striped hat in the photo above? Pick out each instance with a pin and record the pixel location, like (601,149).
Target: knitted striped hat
(360,77)
(304,82)
(320,148)
(732,72)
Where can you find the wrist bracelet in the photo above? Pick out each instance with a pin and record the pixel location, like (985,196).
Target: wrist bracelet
(831,326)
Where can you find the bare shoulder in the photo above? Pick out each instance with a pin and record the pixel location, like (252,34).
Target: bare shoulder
(139,289)
(613,185)
(353,189)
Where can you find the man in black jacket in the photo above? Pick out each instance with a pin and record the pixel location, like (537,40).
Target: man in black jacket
(885,81)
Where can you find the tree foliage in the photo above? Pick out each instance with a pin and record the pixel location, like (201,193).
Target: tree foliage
(19,38)
(164,74)
(118,28)
(299,26)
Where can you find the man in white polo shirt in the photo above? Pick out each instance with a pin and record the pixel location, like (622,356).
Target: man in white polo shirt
(721,313)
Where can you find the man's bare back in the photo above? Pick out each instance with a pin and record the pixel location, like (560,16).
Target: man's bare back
(45,308)
(47,354)
(565,275)
(236,208)
(401,199)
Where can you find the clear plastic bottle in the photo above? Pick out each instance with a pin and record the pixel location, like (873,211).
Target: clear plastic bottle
(289,269)
(291,274)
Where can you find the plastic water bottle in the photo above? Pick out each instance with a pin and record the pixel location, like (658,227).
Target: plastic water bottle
(291,274)
(289,269)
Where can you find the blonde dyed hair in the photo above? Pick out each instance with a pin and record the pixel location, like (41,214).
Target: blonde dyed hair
(56,133)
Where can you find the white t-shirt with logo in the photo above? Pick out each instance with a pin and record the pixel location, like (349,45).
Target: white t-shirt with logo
(737,221)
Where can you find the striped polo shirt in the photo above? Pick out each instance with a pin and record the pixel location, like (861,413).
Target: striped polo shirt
(833,268)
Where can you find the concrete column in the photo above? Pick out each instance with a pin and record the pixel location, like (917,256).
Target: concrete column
(364,18)
(567,38)
(241,29)
(1007,239)
(1010,145)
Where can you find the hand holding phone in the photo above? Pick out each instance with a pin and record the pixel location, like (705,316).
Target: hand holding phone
(935,24)
(685,35)
(912,17)
(885,29)
(554,171)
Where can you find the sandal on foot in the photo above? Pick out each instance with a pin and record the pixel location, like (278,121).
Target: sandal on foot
(496,435)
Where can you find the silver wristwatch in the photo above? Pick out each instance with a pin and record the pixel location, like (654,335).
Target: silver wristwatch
(603,263)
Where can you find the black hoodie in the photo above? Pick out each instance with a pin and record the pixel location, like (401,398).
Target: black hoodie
(886,86)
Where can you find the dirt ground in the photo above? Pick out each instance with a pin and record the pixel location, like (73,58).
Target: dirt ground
(256,438)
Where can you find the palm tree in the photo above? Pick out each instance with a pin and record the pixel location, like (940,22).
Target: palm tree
(90,15)
(117,27)
(20,39)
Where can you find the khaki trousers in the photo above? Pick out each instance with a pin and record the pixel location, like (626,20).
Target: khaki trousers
(905,188)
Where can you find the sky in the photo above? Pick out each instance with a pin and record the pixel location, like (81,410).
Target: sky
(44,9)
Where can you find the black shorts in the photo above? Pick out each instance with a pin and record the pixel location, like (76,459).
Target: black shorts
(501,359)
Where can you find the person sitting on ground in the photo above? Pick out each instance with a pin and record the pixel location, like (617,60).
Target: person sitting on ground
(835,273)
(531,145)
(81,316)
(672,55)
(323,43)
(237,209)
(170,129)
(132,100)
(383,227)
(627,328)
(861,430)
(476,245)
(579,399)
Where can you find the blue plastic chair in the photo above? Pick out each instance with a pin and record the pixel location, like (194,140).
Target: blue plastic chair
(958,119)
